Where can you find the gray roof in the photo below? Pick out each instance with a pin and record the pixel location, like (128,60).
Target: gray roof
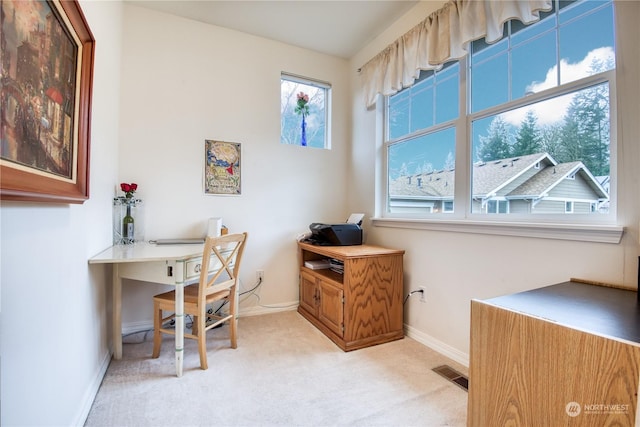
(492,176)
(433,185)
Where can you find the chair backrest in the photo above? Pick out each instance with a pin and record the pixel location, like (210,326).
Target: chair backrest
(226,252)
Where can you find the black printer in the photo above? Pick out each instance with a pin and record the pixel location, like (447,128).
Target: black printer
(347,234)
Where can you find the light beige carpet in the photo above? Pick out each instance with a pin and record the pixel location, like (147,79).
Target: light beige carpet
(284,373)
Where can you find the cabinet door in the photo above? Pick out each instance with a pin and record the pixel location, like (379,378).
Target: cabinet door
(308,293)
(331,308)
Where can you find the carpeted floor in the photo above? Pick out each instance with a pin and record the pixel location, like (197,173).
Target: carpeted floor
(284,373)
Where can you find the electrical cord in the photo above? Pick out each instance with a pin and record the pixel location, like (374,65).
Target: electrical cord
(411,293)
(251,292)
(189,322)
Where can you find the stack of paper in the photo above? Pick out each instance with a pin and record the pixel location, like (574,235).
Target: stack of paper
(317,264)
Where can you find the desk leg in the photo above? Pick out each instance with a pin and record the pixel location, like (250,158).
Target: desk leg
(179,311)
(117,313)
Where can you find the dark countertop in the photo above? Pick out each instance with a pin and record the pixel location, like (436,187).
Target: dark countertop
(602,310)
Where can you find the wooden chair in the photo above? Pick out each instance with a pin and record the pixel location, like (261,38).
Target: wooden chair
(225,251)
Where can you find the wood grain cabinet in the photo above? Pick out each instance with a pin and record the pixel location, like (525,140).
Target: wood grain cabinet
(360,307)
(562,355)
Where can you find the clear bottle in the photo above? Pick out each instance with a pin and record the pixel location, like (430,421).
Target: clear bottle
(128,234)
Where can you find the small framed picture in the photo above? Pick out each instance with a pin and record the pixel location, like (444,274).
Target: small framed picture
(223,168)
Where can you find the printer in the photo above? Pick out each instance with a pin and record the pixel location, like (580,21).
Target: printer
(346,234)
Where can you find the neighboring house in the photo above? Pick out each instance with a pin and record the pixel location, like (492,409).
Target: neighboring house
(527,184)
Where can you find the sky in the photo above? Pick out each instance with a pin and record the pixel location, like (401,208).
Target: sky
(534,63)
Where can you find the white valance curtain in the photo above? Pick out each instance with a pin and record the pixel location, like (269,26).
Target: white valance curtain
(444,35)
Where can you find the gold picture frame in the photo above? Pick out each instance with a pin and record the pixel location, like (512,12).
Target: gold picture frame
(45,96)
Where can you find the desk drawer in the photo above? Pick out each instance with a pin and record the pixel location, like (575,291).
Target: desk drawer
(194,265)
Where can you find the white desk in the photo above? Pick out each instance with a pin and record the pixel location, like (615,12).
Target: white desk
(166,264)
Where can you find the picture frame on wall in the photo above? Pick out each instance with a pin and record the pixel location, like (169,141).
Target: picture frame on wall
(223,168)
(45,101)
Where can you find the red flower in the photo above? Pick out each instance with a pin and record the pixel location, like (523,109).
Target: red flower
(129,189)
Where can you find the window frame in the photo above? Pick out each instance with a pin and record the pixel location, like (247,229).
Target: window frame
(582,227)
(326,86)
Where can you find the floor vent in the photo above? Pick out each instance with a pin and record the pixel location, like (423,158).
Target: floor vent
(452,375)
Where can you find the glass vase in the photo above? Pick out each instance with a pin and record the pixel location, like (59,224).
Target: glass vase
(128,221)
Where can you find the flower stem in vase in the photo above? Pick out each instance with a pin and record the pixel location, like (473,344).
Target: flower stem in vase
(303,141)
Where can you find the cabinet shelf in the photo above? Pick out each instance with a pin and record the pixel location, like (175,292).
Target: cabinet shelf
(326,274)
(362,306)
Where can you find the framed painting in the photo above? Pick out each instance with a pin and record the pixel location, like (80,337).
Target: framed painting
(223,171)
(46,82)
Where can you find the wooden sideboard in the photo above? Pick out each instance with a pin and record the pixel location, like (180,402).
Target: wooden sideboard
(360,307)
(562,355)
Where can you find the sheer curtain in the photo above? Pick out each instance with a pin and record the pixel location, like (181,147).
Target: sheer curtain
(442,36)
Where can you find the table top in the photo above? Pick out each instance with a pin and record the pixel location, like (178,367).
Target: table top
(144,251)
(602,310)
(355,251)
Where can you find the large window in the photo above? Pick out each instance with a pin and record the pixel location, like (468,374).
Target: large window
(304,112)
(535,127)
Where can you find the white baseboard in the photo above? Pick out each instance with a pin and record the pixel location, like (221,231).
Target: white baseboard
(437,345)
(134,327)
(92,391)
(257,310)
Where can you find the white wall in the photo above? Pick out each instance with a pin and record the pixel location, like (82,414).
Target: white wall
(53,335)
(457,267)
(184,82)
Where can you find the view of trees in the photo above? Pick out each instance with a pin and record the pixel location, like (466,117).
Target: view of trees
(583,133)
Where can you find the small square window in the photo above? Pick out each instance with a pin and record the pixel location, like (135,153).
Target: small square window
(568,207)
(304,112)
(447,206)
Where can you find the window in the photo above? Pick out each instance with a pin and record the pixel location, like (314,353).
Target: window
(497,206)
(568,207)
(304,112)
(535,125)
(422,142)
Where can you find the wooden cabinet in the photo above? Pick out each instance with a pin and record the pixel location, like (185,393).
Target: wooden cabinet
(562,355)
(360,307)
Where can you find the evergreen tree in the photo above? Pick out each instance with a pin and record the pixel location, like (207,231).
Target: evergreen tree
(585,131)
(496,144)
(528,137)
(551,140)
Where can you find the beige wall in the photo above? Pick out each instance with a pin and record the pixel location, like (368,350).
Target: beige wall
(200,82)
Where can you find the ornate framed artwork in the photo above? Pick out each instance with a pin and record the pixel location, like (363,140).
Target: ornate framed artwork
(45,101)
(222,172)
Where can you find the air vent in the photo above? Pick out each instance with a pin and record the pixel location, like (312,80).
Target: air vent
(452,375)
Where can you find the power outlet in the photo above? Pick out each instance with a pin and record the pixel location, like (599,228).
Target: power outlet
(423,294)
(260,275)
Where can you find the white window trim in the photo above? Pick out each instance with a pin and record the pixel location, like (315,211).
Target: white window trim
(327,110)
(599,229)
(575,232)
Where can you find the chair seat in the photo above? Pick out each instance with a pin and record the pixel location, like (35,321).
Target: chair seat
(190,296)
